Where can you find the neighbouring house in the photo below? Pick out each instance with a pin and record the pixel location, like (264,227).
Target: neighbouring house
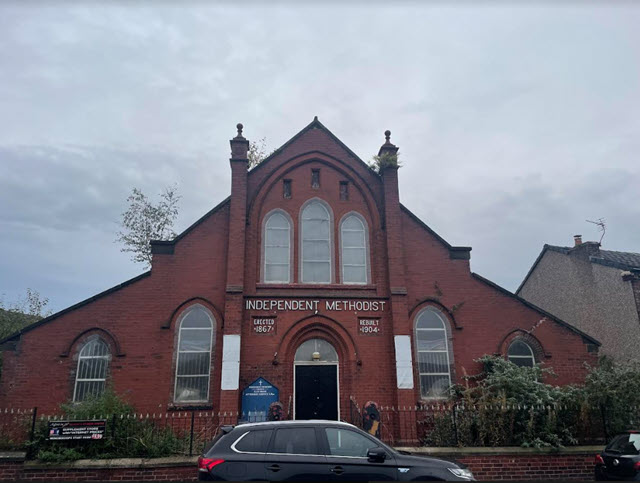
(311,284)
(593,289)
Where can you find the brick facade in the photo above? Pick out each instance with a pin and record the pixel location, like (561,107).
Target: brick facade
(217,263)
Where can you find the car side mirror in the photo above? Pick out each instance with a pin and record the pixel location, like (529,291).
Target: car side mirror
(377,454)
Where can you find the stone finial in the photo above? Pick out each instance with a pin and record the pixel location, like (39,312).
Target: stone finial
(239,146)
(388,147)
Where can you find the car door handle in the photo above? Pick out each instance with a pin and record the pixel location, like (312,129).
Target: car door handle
(274,468)
(337,470)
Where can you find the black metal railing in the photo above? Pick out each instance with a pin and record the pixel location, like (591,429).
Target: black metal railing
(448,424)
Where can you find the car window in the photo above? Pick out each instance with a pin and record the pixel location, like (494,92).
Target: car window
(295,441)
(343,442)
(254,441)
(209,446)
(626,444)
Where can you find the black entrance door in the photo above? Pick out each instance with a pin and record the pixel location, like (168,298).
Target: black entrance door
(316,392)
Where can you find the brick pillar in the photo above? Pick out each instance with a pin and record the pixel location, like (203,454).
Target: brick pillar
(406,431)
(233,308)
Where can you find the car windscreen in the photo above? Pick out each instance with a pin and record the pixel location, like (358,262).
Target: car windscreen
(626,444)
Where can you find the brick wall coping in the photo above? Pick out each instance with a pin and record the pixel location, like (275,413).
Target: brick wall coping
(191,460)
(504,450)
(170,461)
(12,456)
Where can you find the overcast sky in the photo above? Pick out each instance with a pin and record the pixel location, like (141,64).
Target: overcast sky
(515,124)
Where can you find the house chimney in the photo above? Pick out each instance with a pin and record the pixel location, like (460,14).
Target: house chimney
(577,239)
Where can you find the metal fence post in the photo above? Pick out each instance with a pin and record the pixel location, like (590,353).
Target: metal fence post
(33,424)
(113,427)
(455,425)
(603,413)
(193,415)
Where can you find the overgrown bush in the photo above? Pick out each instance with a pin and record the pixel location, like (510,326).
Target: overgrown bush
(127,435)
(509,405)
(385,160)
(614,388)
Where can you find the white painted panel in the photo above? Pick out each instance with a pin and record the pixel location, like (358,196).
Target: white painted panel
(230,362)
(404,364)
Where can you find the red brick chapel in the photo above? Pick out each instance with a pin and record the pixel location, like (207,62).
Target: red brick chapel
(312,276)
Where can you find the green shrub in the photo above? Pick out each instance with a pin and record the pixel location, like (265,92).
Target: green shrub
(59,456)
(509,405)
(127,435)
(614,388)
(385,160)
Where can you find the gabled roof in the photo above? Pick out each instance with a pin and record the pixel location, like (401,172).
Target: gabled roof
(609,258)
(461,253)
(30,327)
(315,124)
(586,337)
(166,246)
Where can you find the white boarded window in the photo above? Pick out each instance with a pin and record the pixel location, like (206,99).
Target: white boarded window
(193,362)
(353,240)
(433,353)
(521,354)
(91,376)
(277,244)
(316,243)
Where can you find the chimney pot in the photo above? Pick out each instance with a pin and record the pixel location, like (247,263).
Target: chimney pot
(577,240)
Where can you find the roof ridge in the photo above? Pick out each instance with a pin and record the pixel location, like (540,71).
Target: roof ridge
(313,124)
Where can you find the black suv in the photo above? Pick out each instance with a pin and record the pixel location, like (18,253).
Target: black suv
(312,451)
(620,460)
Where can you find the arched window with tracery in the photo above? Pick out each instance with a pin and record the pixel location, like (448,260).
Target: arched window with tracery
(193,359)
(93,365)
(316,243)
(277,248)
(434,356)
(354,253)
(521,353)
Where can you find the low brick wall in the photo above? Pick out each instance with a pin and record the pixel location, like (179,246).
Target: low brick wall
(125,469)
(11,465)
(575,463)
(572,463)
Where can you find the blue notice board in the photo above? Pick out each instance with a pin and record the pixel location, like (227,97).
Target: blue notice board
(256,399)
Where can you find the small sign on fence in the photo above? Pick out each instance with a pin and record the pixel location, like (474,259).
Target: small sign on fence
(74,430)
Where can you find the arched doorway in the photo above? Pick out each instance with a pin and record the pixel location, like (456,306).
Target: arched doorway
(315,381)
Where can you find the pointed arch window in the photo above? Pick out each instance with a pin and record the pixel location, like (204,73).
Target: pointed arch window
(521,354)
(277,248)
(434,357)
(193,360)
(91,375)
(353,240)
(316,243)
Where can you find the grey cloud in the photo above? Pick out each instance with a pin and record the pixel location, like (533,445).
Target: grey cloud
(515,124)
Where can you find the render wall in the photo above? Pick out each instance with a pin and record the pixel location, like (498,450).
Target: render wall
(592,297)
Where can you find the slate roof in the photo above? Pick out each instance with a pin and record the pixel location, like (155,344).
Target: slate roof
(622,260)
(627,260)
(610,258)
